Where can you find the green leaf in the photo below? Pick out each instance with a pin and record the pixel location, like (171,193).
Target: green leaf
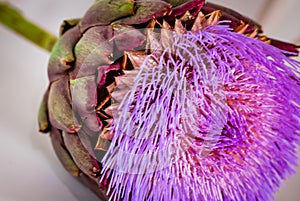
(68,24)
(103,12)
(83,158)
(62,57)
(84,101)
(62,154)
(145,11)
(93,50)
(59,106)
(43,118)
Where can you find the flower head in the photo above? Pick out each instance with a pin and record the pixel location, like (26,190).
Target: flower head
(212,116)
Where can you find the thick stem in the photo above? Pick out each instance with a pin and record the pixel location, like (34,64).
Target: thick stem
(12,19)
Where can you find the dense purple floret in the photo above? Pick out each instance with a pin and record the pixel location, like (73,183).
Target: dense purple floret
(214,117)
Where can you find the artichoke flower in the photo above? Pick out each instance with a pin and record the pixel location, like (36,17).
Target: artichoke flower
(172,100)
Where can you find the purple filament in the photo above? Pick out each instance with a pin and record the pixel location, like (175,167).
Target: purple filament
(214,117)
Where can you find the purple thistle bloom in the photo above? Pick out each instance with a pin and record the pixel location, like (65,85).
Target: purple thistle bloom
(213,116)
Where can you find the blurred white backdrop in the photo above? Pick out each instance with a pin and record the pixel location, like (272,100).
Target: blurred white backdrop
(29,169)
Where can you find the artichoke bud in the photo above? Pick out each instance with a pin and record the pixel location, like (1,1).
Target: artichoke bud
(172,100)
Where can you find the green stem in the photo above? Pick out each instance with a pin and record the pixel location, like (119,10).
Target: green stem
(12,19)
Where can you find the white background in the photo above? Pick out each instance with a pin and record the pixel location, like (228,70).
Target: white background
(29,170)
